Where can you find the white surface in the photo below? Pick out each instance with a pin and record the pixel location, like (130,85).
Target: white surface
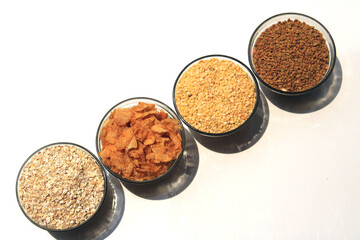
(63,64)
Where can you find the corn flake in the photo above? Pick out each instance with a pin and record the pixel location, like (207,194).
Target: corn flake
(139,143)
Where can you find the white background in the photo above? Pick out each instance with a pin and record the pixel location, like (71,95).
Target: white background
(63,64)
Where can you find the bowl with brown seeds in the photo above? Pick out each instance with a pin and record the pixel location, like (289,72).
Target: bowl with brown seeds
(215,95)
(291,53)
(61,186)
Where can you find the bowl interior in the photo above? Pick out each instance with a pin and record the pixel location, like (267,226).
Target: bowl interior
(159,106)
(221,57)
(303,18)
(28,161)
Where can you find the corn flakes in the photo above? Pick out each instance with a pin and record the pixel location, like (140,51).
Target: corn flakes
(139,143)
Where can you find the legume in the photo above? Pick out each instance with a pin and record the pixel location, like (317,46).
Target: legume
(215,95)
(291,56)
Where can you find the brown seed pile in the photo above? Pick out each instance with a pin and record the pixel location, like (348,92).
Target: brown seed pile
(291,56)
(215,95)
(61,187)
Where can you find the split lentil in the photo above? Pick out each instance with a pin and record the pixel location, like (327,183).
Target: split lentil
(61,187)
(215,95)
(291,56)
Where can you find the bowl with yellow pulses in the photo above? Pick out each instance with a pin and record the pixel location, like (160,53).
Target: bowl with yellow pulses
(215,95)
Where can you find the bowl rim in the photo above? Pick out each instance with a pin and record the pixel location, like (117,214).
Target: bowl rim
(100,204)
(331,63)
(176,161)
(252,77)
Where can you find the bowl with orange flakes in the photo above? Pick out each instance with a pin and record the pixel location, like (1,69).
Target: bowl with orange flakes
(140,140)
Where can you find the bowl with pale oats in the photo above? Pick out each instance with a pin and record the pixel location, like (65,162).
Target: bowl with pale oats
(61,186)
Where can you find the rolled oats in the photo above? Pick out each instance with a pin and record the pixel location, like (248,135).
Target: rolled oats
(61,187)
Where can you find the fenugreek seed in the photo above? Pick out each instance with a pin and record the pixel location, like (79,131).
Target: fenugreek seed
(291,56)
